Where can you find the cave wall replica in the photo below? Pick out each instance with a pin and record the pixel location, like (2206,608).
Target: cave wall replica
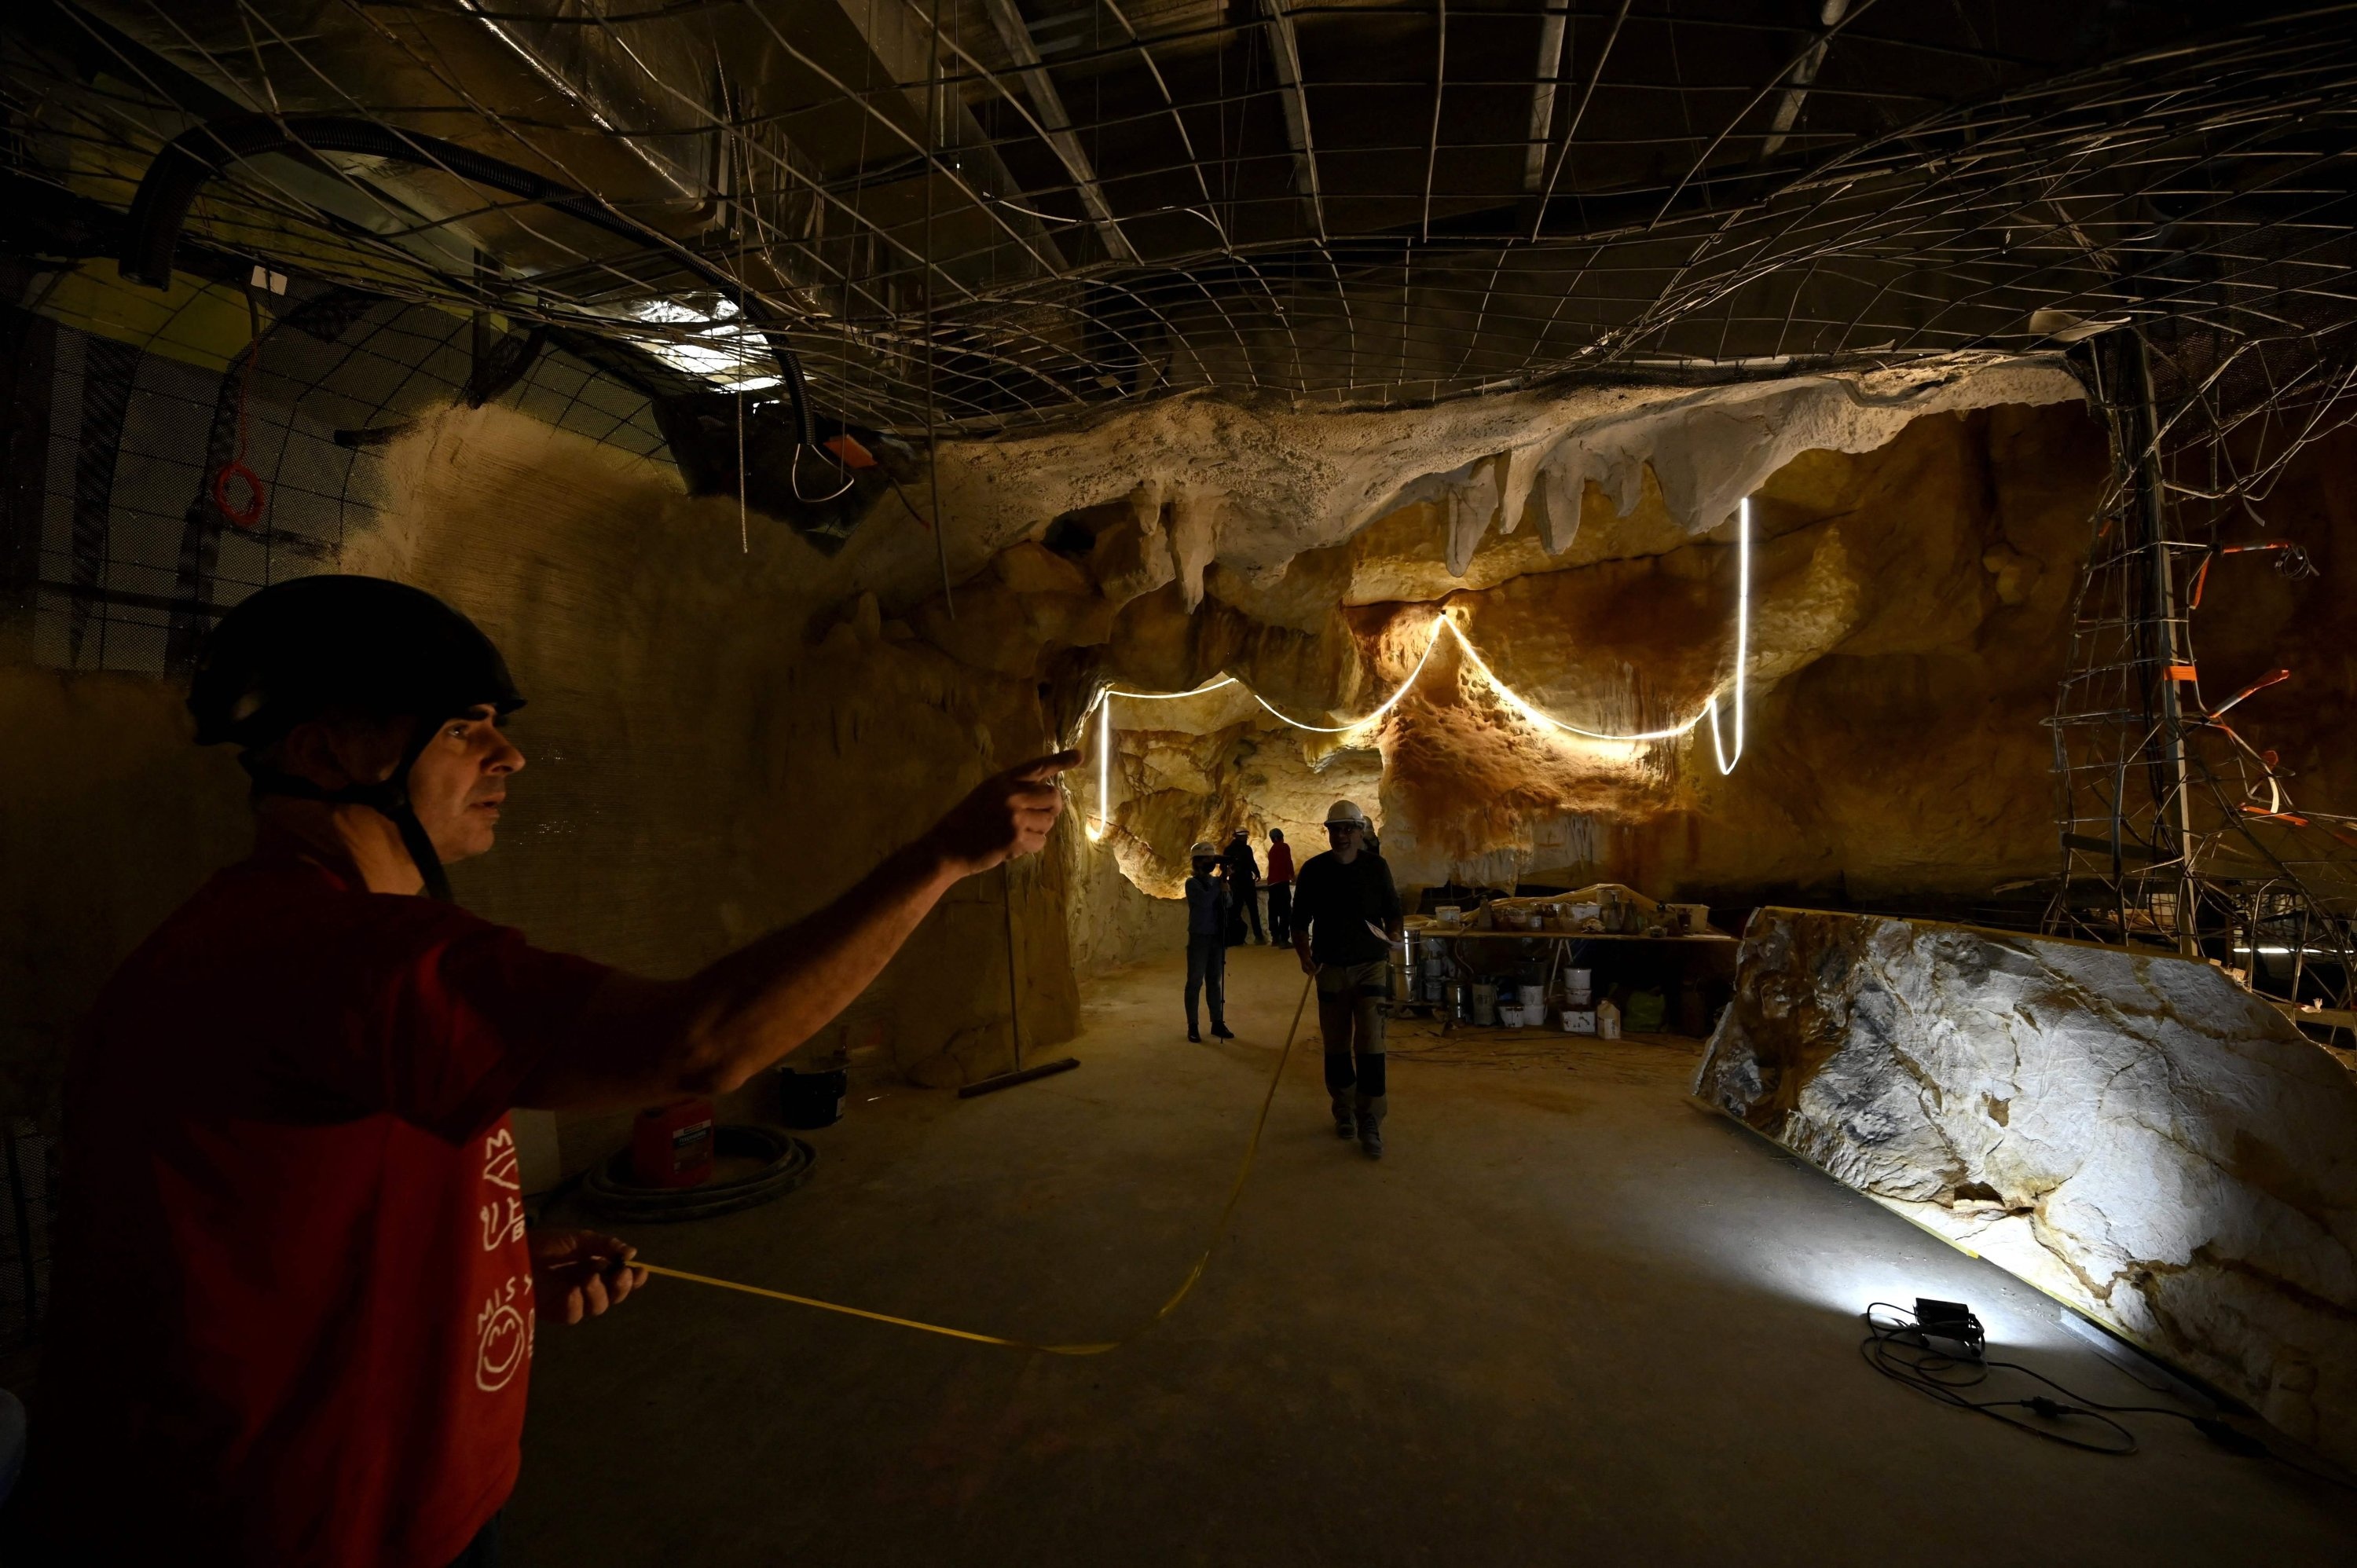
(729,725)
(2136,1134)
(1909,611)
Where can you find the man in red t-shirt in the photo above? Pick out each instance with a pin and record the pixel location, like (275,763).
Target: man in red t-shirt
(295,1295)
(1280,888)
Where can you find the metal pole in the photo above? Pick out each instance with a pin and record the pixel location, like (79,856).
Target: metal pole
(2169,638)
(1014,987)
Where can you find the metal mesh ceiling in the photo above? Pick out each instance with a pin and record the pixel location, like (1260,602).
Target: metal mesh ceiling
(980,213)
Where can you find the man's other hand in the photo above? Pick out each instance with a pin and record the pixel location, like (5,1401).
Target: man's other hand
(1006,815)
(1308,965)
(580,1274)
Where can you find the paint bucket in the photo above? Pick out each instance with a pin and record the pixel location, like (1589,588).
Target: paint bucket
(1531,997)
(811,1098)
(1485,1004)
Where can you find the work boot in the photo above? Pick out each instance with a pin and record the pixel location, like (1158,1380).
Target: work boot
(1221,1032)
(1371,1127)
(1344,1127)
(1194,1033)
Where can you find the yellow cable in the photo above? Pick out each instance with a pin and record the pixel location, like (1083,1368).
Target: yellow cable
(1235,1196)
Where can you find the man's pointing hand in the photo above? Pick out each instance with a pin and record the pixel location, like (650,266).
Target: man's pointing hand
(1008,814)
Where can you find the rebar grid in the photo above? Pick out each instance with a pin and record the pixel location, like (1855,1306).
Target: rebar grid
(968,216)
(1013,215)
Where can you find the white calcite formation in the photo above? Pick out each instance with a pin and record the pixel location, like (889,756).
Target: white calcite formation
(1250,488)
(2136,1135)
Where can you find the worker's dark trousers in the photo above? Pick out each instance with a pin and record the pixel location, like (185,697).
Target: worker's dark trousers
(1248,905)
(1280,914)
(483,1551)
(1351,1016)
(1207,969)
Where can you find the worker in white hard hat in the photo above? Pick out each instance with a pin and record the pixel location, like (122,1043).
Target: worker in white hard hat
(1207,907)
(1346,914)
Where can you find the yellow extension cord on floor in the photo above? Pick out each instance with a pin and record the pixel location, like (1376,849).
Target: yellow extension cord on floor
(1235,1196)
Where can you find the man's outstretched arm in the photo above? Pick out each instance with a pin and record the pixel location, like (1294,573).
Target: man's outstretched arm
(643,1039)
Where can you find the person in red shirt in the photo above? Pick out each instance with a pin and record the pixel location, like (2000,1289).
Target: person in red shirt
(296,1295)
(1280,889)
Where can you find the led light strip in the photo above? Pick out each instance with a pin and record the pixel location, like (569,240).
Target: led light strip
(1742,639)
(1532,714)
(1103,707)
(1389,702)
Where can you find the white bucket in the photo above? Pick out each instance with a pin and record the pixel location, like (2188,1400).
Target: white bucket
(1510,1016)
(1533,996)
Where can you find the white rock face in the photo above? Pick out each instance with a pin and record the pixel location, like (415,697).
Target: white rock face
(1251,488)
(2136,1135)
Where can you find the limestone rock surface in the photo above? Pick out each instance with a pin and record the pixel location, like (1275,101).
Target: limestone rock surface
(2134,1135)
(1252,487)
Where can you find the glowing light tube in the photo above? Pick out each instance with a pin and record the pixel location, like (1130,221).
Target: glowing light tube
(1726,757)
(1536,717)
(1742,639)
(1389,702)
(1104,764)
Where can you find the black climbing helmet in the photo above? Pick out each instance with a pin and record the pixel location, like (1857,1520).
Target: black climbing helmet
(292,650)
(296,648)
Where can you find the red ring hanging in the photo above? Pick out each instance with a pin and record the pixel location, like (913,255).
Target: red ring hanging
(249,513)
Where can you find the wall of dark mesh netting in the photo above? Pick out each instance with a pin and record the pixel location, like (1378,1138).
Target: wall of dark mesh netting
(120,553)
(28,1176)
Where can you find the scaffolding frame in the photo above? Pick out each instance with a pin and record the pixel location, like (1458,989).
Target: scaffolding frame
(2178,832)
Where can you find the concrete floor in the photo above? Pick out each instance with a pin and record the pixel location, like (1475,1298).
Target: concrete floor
(1570,1318)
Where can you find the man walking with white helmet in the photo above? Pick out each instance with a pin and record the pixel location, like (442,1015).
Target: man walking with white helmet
(1345,913)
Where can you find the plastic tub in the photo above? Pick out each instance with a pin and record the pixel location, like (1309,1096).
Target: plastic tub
(808,1099)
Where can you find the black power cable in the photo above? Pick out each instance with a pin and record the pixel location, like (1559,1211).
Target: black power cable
(1904,1348)
(1908,1348)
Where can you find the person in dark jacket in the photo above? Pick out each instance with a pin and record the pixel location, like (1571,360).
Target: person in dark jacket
(1243,886)
(1346,915)
(1208,908)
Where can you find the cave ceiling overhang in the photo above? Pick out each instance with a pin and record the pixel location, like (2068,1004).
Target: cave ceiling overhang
(1199,482)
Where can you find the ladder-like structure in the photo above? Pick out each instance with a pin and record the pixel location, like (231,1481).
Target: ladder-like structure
(2179,832)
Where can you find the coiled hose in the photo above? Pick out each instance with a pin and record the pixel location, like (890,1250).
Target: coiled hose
(786,1163)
